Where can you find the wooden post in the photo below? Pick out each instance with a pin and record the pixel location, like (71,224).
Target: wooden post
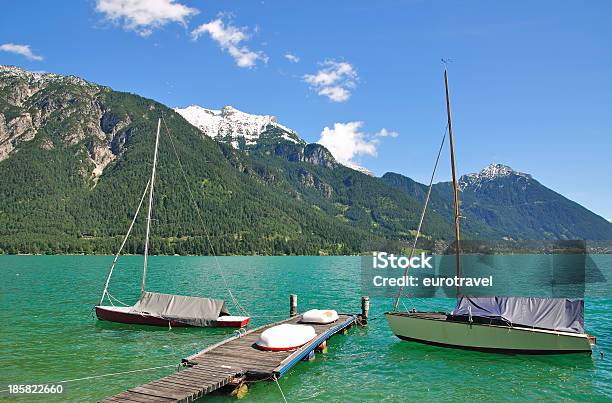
(322,347)
(293,305)
(365,309)
(240,388)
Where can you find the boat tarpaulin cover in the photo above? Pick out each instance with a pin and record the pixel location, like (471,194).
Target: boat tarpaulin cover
(546,313)
(194,311)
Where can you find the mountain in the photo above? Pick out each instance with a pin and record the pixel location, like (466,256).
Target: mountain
(75,157)
(439,203)
(260,134)
(241,130)
(341,191)
(511,204)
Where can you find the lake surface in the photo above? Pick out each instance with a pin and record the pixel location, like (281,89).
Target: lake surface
(49,334)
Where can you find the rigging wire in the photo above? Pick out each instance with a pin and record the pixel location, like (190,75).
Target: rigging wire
(113,298)
(110,273)
(416,237)
(231,294)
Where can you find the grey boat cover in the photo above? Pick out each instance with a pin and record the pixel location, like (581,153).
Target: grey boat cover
(193,311)
(560,314)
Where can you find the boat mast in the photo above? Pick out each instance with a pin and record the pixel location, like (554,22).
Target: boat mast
(151,186)
(452,155)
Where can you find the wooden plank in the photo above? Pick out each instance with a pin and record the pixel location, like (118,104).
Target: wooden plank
(198,370)
(205,379)
(157,391)
(120,399)
(200,379)
(166,394)
(146,398)
(166,391)
(217,364)
(214,371)
(173,385)
(187,393)
(184,382)
(135,397)
(234,362)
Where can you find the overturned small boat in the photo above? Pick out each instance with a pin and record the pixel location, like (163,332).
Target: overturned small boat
(157,309)
(285,337)
(319,316)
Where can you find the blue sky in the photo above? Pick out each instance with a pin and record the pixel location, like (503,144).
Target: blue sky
(531,82)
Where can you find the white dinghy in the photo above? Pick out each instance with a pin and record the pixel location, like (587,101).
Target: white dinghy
(285,337)
(320,316)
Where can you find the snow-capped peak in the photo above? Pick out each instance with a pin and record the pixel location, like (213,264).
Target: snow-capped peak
(358,168)
(490,172)
(233,126)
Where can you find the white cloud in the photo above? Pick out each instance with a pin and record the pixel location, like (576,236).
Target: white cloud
(335,93)
(143,16)
(333,80)
(386,133)
(23,50)
(292,58)
(346,141)
(230,37)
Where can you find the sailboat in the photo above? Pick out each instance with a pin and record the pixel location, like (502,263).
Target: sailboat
(515,325)
(157,309)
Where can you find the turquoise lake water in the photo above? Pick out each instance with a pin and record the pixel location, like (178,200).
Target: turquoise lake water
(49,334)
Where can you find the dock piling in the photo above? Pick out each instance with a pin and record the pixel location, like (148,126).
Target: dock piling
(365,309)
(293,305)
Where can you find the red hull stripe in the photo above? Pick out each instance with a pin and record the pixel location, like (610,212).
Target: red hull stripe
(138,319)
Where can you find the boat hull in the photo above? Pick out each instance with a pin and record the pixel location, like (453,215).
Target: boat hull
(125,315)
(434,329)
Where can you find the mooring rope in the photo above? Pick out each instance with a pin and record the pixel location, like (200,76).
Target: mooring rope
(234,300)
(102,375)
(279,387)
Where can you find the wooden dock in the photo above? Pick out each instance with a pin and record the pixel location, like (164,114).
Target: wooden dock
(230,362)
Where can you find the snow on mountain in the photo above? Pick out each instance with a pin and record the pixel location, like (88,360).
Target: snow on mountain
(490,172)
(240,129)
(358,168)
(233,126)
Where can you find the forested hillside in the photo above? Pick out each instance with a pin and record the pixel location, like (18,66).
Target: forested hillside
(77,157)
(499,202)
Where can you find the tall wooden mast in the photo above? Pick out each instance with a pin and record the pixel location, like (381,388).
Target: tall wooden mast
(455,191)
(151,186)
